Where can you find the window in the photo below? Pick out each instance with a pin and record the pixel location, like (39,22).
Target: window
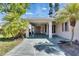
(62,27)
(65,26)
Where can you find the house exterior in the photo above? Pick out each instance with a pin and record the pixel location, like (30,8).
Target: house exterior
(64,30)
(48,27)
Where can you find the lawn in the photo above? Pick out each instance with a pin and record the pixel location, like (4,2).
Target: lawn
(6,46)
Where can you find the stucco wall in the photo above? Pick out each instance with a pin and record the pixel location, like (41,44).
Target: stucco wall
(67,34)
(77,31)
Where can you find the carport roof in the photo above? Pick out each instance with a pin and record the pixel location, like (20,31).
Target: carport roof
(49,19)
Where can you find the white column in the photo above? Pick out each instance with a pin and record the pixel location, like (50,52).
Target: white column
(50,29)
(47,30)
(27,32)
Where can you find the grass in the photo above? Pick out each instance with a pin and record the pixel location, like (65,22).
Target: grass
(1,35)
(6,46)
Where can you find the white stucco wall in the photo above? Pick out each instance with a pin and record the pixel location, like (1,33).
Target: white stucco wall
(67,34)
(77,31)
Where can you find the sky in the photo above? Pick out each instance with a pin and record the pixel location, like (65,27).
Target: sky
(39,10)
(36,10)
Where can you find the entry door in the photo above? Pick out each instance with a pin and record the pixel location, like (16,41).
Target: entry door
(38,29)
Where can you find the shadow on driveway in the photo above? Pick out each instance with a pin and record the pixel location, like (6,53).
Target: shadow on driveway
(56,48)
(47,47)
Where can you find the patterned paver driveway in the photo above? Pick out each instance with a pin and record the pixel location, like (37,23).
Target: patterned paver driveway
(26,48)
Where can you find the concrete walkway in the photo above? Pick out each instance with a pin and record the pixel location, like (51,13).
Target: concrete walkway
(26,48)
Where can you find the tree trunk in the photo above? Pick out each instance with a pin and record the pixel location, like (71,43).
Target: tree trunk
(72,35)
(22,36)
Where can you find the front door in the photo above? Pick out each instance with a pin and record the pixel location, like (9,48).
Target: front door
(38,29)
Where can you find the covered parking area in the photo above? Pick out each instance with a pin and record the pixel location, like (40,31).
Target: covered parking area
(41,27)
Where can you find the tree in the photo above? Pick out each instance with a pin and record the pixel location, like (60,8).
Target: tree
(15,28)
(50,9)
(69,13)
(15,24)
(19,8)
(56,7)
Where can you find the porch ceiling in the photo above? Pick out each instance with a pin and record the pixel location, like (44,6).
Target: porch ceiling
(40,20)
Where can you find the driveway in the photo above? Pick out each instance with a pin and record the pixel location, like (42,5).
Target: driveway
(32,47)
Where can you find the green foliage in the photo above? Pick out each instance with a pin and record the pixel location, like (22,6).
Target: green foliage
(50,5)
(56,7)
(19,8)
(13,15)
(69,13)
(51,9)
(13,28)
(72,8)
